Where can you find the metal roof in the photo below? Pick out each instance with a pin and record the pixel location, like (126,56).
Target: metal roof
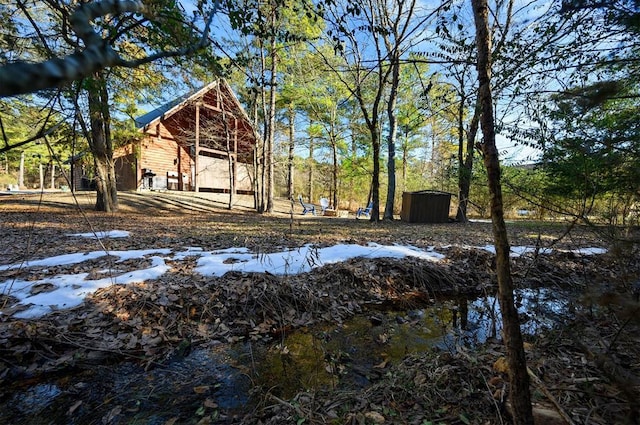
(169,108)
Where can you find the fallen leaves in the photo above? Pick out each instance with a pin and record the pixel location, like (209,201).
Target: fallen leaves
(501,365)
(43,287)
(147,322)
(202,389)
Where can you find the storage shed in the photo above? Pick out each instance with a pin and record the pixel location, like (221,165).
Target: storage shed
(425,206)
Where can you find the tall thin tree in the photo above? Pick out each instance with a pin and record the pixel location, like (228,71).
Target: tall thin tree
(518,377)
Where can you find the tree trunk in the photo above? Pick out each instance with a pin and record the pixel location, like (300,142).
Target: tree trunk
(461,215)
(41,174)
(465,161)
(265,130)
(334,160)
(391,138)
(232,180)
(375,178)
(405,159)
(373,125)
(334,172)
(292,147)
(310,182)
(518,377)
(101,146)
(21,172)
(272,116)
(257,184)
(231,154)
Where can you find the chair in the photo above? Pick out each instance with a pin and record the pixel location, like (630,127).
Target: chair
(307,207)
(364,211)
(324,204)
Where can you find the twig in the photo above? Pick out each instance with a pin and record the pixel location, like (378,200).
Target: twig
(633,315)
(550,396)
(495,403)
(624,380)
(299,412)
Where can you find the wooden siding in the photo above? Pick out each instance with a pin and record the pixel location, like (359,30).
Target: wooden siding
(161,156)
(126,172)
(185,170)
(159,130)
(79,179)
(126,167)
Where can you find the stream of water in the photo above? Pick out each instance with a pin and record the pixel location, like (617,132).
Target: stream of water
(219,382)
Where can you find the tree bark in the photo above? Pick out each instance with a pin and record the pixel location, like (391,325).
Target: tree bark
(264,170)
(272,116)
(405,160)
(391,138)
(311,167)
(375,179)
(101,146)
(257,173)
(465,162)
(461,215)
(334,164)
(292,147)
(21,172)
(232,152)
(519,395)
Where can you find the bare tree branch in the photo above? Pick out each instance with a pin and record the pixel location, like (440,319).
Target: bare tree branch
(22,77)
(42,133)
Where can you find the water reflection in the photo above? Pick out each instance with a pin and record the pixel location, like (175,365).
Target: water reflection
(354,353)
(203,383)
(221,381)
(36,398)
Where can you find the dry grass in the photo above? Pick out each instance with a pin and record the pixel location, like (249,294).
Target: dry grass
(33,226)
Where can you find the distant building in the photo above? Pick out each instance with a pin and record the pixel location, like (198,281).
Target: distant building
(202,142)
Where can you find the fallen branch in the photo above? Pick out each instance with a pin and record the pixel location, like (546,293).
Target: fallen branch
(550,396)
(623,379)
(296,409)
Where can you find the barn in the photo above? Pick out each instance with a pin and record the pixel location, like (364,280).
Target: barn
(203,142)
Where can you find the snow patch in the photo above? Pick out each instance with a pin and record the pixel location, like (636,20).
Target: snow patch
(40,297)
(102,235)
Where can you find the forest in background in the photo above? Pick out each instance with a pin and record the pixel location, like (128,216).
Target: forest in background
(352,99)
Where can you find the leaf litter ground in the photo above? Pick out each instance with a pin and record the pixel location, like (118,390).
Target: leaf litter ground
(587,362)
